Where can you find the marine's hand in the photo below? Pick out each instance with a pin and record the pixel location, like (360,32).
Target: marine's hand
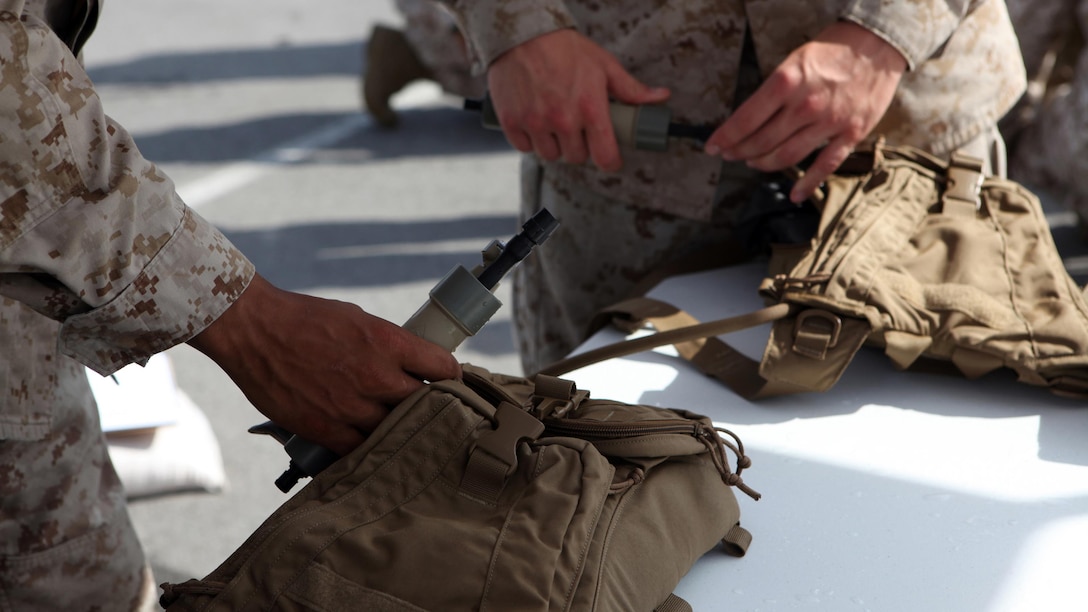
(323,369)
(830,92)
(551,96)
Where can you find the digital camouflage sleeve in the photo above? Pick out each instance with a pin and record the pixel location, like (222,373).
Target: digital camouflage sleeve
(101,264)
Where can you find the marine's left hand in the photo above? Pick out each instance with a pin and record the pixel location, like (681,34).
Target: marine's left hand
(828,93)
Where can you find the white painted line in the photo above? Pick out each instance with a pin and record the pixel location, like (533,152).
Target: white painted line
(237,175)
(401,248)
(233,177)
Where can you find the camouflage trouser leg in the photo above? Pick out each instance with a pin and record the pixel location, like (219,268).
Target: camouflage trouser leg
(1039,24)
(1052,152)
(1049,131)
(434,37)
(598,255)
(66,542)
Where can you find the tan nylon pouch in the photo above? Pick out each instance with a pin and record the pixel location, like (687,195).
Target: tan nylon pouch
(923,257)
(936,262)
(464,499)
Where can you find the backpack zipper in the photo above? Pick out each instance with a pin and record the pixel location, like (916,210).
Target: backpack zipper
(601,430)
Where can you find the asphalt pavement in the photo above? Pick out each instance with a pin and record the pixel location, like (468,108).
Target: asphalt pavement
(253,108)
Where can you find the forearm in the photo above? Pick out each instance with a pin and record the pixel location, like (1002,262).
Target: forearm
(324,369)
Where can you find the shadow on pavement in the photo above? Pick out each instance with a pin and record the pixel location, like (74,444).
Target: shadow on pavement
(367,254)
(232,64)
(430,131)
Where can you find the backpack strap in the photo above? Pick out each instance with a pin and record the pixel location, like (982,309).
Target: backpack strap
(695,341)
(810,350)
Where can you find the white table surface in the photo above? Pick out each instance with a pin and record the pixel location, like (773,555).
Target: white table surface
(892,491)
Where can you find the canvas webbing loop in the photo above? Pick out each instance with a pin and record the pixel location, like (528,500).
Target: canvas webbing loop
(736,542)
(673,603)
(554,396)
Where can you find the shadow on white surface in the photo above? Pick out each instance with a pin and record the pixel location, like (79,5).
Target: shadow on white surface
(892,491)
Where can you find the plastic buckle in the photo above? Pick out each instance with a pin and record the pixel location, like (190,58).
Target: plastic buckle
(964,183)
(815,331)
(514,425)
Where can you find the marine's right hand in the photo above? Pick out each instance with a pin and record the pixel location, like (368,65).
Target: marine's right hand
(551,96)
(323,369)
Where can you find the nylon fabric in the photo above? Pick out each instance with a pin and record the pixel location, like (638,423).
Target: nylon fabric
(924,257)
(983,290)
(606,509)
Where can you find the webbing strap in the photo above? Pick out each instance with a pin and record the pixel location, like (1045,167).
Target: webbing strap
(673,603)
(820,346)
(699,335)
(737,541)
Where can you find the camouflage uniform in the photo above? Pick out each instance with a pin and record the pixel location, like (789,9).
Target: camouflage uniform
(964,73)
(434,36)
(1048,131)
(100,264)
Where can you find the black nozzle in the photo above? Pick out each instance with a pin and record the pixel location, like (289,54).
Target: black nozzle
(290,477)
(540,226)
(535,231)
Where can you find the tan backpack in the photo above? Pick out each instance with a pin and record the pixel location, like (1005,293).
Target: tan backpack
(495,493)
(925,258)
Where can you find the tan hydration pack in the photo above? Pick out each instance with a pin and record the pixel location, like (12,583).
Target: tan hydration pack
(926,258)
(495,493)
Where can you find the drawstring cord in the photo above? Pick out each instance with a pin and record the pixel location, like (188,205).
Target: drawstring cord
(717,445)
